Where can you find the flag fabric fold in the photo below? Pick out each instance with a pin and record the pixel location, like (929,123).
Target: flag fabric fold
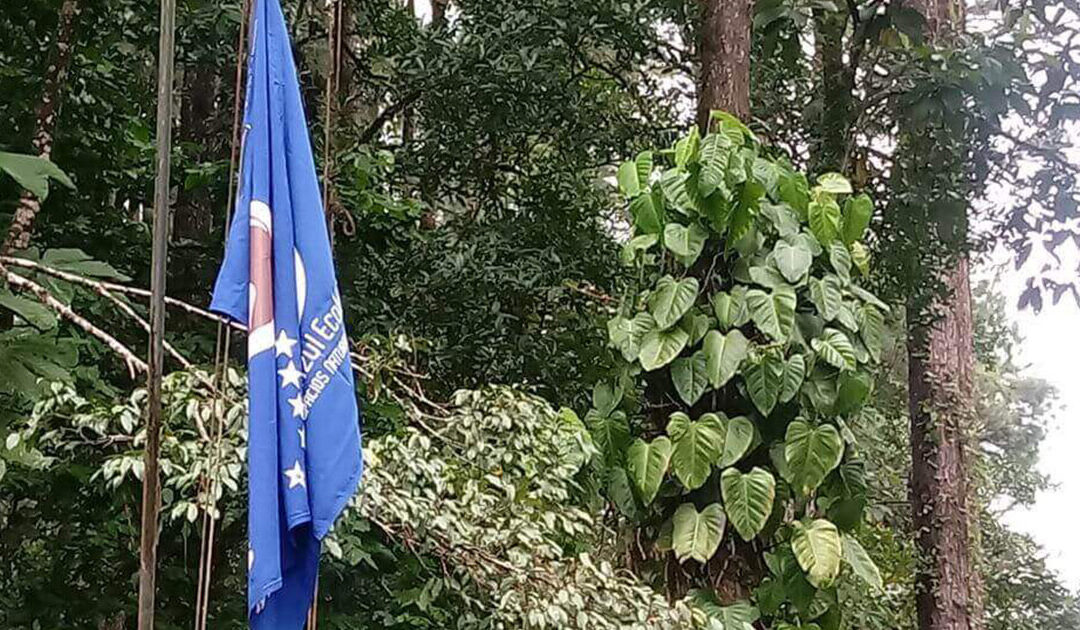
(277,278)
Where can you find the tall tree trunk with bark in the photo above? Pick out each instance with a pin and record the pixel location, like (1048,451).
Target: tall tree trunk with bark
(724,81)
(18,236)
(941,405)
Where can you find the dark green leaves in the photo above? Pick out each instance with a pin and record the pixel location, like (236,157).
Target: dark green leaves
(696,535)
(690,377)
(773,313)
(686,242)
(33,173)
(857,213)
(697,446)
(671,299)
(647,462)
(748,498)
(723,355)
(811,453)
(765,380)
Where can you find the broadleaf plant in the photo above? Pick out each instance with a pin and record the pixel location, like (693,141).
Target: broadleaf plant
(748,339)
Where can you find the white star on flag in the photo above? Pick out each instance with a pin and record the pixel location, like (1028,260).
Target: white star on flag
(290,375)
(283,345)
(299,410)
(296,476)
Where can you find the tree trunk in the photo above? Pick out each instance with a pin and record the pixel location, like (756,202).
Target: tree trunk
(941,360)
(833,131)
(724,83)
(18,236)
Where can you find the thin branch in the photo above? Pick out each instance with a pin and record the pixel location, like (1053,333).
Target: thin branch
(134,363)
(384,116)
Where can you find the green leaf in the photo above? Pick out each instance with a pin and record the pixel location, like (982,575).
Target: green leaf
(738,436)
(644,165)
(794,372)
(673,183)
(825,220)
(834,183)
(697,535)
(852,391)
(835,348)
(646,214)
(660,347)
(686,148)
(748,498)
(764,380)
(671,300)
(817,548)
(685,242)
(774,314)
(723,355)
(811,453)
(618,488)
(695,325)
(860,257)
(857,213)
(647,462)
(626,334)
(730,308)
(32,312)
(792,257)
(690,376)
(696,447)
(827,296)
(79,262)
(610,433)
(715,149)
(840,259)
(606,396)
(629,183)
(33,173)
(783,217)
(861,563)
(871,329)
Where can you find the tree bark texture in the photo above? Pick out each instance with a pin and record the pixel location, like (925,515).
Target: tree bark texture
(22,223)
(724,81)
(941,359)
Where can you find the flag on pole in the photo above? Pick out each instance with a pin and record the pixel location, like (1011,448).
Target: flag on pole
(304,460)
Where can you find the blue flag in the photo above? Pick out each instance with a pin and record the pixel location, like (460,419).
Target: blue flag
(304,460)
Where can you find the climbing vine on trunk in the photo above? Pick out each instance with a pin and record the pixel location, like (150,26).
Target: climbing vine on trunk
(752,337)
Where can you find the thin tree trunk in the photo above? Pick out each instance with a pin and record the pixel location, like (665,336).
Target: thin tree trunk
(18,236)
(724,82)
(941,359)
(837,82)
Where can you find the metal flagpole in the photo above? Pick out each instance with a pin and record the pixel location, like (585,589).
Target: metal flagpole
(151,496)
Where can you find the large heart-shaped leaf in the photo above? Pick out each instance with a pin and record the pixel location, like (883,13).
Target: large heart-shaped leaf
(686,242)
(610,433)
(660,347)
(647,462)
(861,563)
(738,436)
(794,372)
(748,498)
(826,295)
(671,299)
(627,176)
(840,259)
(696,447)
(730,308)
(852,390)
(690,377)
(764,381)
(792,257)
(835,348)
(618,489)
(626,334)
(696,534)
(825,219)
(811,453)
(773,313)
(871,329)
(33,173)
(715,149)
(834,183)
(695,325)
(673,183)
(817,548)
(857,213)
(646,211)
(723,355)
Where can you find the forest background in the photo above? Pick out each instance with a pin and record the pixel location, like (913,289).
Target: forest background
(486,239)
